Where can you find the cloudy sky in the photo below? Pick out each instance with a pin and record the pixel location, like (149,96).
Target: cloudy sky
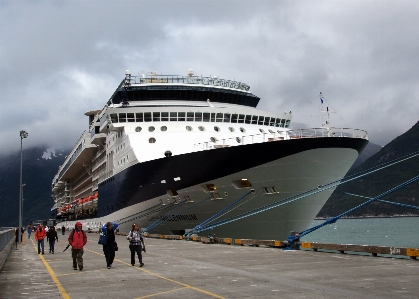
(59,59)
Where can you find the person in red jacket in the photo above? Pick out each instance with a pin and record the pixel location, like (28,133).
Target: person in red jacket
(40,235)
(77,240)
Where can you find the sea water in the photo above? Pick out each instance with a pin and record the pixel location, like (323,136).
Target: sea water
(393,232)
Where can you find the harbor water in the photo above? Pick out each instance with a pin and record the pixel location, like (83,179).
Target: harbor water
(393,232)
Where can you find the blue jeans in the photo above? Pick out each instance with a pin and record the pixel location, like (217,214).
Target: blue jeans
(29,235)
(41,244)
(51,246)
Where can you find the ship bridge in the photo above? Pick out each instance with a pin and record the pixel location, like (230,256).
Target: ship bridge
(154,87)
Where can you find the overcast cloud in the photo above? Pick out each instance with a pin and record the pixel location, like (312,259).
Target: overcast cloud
(59,59)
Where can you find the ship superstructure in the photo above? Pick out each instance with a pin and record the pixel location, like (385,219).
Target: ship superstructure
(162,141)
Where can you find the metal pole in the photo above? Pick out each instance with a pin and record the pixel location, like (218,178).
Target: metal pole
(23,134)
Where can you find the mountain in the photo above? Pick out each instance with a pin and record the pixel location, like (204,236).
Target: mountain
(39,165)
(370,150)
(381,181)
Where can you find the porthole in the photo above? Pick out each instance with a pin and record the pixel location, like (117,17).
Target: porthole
(213,139)
(138,129)
(201,128)
(188,128)
(152,140)
(151,129)
(238,139)
(163,128)
(231,129)
(262,130)
(216,129)
(242,130)
(167,153)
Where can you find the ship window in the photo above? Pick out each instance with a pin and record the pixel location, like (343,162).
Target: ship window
(212,117)
(181,116)
(266,123)
(122,117)
(217,129)
(114,118)
(234,118)
(213,139)
(130,117)
(147,116)
(287,123)
(262,130)
(151,129)
(138,129)
(241,118)
(156,116)
(198,116)
(163,128)
(188,128)
(254,119)
(238,139)
(201,128)
(219,117)
(152,140)
(242,130)
(173,116)
(261,118)
(272,122)
(248,119)
(165,116)
(206,117)
(231,129)
(227,117)
(139,117)
(189,116)
(277,122)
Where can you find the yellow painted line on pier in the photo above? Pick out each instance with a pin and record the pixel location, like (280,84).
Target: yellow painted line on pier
(156,294)
(162,277)
(51,272)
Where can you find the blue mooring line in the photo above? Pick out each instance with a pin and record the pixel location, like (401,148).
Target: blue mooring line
(294,239)
(307,193)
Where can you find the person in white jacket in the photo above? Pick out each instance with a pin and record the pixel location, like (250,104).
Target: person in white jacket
(136,244)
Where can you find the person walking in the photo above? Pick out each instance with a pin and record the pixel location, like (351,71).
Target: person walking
(109,249)
(29,231)
(135,241)
(40,235)
(77,239)
(63,230)
(51,237)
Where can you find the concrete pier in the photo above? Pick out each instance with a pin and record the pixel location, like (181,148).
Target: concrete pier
(184,269)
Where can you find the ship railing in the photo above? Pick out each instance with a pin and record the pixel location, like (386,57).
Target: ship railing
(173,79)
(327,132)
(286,135)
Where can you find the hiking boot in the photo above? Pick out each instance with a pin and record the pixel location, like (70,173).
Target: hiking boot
(141,264)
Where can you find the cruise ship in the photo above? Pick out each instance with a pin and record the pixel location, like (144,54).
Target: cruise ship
(173,152)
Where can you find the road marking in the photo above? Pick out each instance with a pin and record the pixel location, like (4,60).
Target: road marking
(51,272)
(156,294)
(162,277)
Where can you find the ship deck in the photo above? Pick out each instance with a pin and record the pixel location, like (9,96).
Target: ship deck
(181,269)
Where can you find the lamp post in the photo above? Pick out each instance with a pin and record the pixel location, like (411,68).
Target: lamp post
(23,134)
(23,185)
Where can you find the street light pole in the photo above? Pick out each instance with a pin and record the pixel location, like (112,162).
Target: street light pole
(23,134)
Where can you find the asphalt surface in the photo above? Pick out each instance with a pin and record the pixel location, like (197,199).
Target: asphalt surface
(185,269)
